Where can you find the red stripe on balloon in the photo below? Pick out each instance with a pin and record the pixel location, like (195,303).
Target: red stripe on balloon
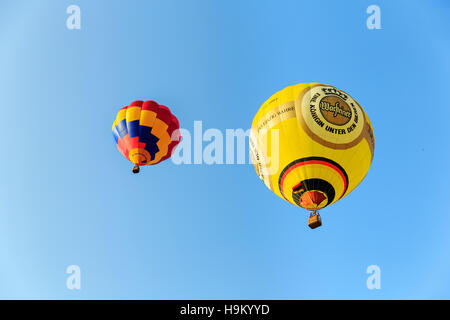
(314,162)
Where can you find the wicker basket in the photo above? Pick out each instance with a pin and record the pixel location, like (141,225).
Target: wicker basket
(314,221)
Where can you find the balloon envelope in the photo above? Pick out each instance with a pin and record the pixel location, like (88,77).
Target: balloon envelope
(311,144)
(146,133)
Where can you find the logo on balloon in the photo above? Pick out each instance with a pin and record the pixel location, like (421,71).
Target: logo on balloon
(335,110)
(330,116)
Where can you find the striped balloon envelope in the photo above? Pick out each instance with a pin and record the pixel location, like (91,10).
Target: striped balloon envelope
(311,144)
(146,133)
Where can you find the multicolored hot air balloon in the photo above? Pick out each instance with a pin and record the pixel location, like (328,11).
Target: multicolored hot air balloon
(146,133)
(311,144)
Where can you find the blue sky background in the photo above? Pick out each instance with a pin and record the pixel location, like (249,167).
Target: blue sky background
(67,196)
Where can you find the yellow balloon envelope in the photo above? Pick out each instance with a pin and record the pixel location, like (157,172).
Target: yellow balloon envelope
(311,144)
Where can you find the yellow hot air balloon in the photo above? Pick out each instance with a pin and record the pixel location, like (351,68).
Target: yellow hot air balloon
(311,144)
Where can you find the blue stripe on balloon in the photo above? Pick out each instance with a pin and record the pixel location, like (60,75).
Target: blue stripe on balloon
(149,139)
(133,128)
(122,128)
(115,134)
(136,130)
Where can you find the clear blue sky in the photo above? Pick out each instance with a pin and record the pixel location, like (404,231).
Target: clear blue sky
(215,231)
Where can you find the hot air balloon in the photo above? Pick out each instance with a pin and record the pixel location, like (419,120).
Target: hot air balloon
(311,144)
(146,133)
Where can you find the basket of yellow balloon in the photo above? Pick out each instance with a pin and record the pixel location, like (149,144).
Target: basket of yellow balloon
(314,220)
